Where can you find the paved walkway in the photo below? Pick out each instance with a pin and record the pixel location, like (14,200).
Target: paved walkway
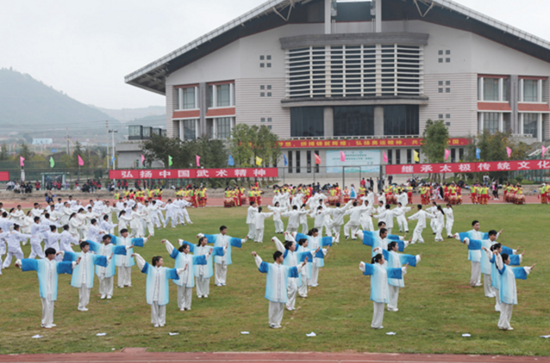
(140,355)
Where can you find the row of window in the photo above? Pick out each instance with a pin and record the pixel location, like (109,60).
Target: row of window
(354,121)
(496,89)
(222,95)
(216,128)
(529,123)
(294,164)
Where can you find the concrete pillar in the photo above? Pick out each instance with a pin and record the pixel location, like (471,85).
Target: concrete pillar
(379,121)
(329,121)
(203,106)
(328,16)
(513,88)
(378,15)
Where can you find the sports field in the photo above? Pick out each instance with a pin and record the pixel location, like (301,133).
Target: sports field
(435,309)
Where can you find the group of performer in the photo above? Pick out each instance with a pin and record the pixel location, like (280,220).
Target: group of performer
(514,193)
(296,262)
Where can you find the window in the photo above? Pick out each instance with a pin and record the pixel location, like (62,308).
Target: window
(290,162)
(262,119)
(268,94)
(447,60)
(453,155)
(440,60)
(354,121)
(447,83)
(223,127)
(298,161)
(441,90)
(490,89)
(390,156)
(440,116)
(221,95)
(308,161)
(401,120)
(440,83)
(447,52)
(530,124)
(398,156)
(409,156)
(268,65)
(447,90)
(262,94)
(187,99)
(269,119)
(490,122)
(262,57)
(268,86)
(461,154)
(506,123)
(262,65)
(448,115)
(189,129)
(262,87)
(307,121)
(270,127)
(530,90)
(440,52)
(268,57)
(448,124)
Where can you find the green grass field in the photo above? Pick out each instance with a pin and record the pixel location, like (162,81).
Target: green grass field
(435,309)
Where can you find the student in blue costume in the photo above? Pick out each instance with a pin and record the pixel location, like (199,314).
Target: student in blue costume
(221,240)
(379,285)
(157,290)
(474,255)
(396,260)
(277,284)
(48,270)
(508,290)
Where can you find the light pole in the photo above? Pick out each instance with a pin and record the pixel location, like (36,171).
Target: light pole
(112,132)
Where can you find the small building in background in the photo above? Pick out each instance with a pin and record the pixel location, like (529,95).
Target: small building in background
(128,153)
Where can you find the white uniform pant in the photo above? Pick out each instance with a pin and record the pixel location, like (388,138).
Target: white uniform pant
(106,286)
(393,296)
(170,217)
(314,274)
(279,226)
(488,286)
(276,313)
(417,235)
(251,231)
(497,296)
(13,251)
(377,315)
(433,224)
(291,292)
(179,217)
(328,232)
(160,217)
(221,273)
(475,278)
(449,227)
(336,229)
(36,250)
(156,221)
(124,276)
(186,215)
(150,228)
(402,223)
(83,296)
(158,314)
(185,295)
(302,290)
(505,316)
(305,228)
(203,286)
(366,224)
(259,235)
(438,230)
(47,311)
(354,227)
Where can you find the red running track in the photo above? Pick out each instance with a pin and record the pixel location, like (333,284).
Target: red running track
(140,355)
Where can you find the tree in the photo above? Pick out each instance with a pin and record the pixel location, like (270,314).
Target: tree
(249,142)
(78,151)
(240,145)
(25,151)
(4,154)
(436,140)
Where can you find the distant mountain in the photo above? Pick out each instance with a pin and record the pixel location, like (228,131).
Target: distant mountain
(28,106)
(131,114)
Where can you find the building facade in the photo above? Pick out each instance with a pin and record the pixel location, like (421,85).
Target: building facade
(316,71)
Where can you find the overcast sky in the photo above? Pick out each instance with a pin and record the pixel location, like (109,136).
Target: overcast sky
(85,48)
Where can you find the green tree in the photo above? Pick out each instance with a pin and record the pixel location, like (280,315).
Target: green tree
(25,151)
(436,140)
(78,150)
(4,154)
(242,137)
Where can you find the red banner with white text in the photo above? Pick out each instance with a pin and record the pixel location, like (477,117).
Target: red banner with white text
(475,167)
(193,173)
(4,176)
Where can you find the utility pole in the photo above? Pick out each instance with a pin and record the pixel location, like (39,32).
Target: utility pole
(68,150)
(112,132)
(107,155)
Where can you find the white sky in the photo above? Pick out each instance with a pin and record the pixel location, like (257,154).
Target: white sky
(86,48)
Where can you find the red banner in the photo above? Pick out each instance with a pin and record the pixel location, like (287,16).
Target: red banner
(365,143)
(476,167)
(193,173)
(4,175)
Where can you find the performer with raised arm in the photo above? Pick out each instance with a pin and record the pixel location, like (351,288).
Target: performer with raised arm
(379,285)
(125,263)
(421,216)
(47,270)
(221,240)
(157,291)
(277,284)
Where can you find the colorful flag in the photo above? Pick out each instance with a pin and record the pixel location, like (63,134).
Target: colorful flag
(478,154)
(509,152)
(52,162)
(231,162)
(21,161)
(80,161)
(384,156)
(198,160)
(544,150)
(342,157)
(317,159)
(286,161)
(113,160)
(258,161)
(447,154)
(170,160)
(416,156)
(142,160)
